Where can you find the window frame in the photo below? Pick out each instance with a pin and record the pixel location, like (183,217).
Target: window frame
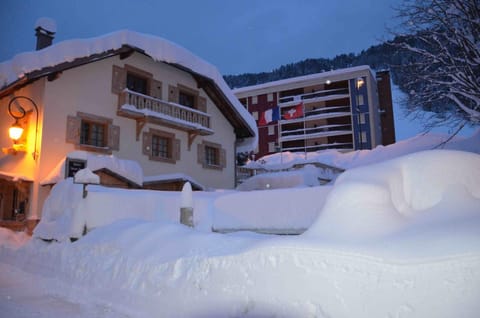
(219,161)
(111,136)
(91,139)
(173,146)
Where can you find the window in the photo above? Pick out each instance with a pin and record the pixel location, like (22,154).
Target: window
(92,133)
(362,118)
(271,147)
(136,80)
(161,145)
(360,100)
(271,130)
(255,115)
(270,97)
(211,155)
(254,100)
(137,83)
(186,99)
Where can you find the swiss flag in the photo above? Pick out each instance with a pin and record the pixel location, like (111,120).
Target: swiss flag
(295,112)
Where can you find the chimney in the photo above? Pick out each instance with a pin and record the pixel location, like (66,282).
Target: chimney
(45,29)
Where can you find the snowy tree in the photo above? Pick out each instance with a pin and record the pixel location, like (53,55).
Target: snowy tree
(442,38)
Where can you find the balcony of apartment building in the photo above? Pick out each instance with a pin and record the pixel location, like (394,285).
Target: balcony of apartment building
(144,108)
(325,121)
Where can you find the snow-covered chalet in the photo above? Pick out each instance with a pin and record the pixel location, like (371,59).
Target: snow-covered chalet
(126,95)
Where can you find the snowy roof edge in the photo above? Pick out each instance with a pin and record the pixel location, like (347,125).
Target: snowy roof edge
(16,70)
(304,78)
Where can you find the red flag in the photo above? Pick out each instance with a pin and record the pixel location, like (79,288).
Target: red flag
(262,121)
(295,112)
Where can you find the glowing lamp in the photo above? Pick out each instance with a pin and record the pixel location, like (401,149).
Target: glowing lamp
(360,82)
(15,132)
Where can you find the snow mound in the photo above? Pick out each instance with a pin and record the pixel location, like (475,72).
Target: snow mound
(60,220)
(379,200)
(308,176)
(357,158)
(86,176)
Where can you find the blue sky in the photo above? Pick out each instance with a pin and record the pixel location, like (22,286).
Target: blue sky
(236,36)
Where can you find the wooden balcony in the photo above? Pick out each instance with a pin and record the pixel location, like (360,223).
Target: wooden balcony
(144,108)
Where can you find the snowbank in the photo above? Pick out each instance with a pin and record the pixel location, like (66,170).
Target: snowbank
(359,158)
(308,176)
(400,238)
(380,200)
(285,211)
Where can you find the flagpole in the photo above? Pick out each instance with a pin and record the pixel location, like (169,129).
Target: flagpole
(304,132)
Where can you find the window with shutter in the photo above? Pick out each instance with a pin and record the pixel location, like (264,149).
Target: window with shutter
(136,80)
(211,155)
(92,133)
(160,145)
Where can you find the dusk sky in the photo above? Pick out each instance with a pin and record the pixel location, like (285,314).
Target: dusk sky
(236,36)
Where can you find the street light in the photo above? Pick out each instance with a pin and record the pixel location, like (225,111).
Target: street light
(16,130)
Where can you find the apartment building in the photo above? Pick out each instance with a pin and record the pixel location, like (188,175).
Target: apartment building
(347,109)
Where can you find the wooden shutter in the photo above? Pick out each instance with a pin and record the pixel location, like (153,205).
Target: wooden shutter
(223,158)
(156,89)
(114,137)
(202,104)
(176,149)
(119,79)
(201,154)
(147,143)
(172,94)
(73,129)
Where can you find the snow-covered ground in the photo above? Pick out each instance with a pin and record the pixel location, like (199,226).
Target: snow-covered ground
(397,235)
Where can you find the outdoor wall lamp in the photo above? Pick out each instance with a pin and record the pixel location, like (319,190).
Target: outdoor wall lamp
(15,132)
(18,112)
(360,82)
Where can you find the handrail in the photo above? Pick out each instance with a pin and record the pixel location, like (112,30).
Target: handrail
(176,111)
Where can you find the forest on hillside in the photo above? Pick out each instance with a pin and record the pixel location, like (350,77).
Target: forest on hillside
(378,57)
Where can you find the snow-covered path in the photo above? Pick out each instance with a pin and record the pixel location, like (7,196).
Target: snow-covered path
(25,295)
(215,275)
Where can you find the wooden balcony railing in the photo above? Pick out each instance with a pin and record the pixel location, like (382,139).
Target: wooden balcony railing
(174,113)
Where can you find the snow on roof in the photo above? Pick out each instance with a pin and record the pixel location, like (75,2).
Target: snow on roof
(172,177)
(306,78)
(157,48)
(47,24)
(14,176)
(128,169)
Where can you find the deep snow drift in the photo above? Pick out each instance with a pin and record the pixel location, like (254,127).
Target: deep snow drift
(405,242)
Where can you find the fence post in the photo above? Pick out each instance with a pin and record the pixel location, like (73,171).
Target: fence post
(186,205)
